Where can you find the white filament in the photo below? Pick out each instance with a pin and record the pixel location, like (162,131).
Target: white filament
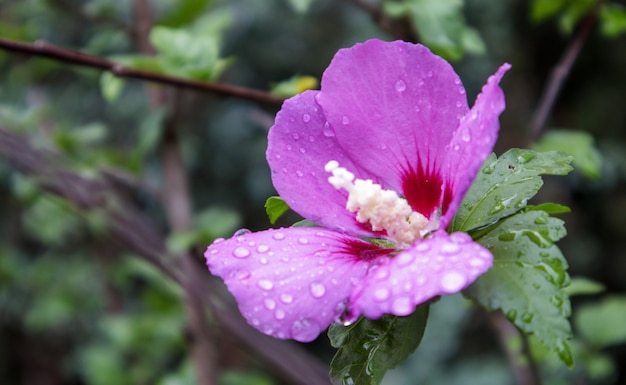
(383,209)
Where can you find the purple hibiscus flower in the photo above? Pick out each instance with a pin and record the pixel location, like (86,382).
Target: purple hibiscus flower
(384,152)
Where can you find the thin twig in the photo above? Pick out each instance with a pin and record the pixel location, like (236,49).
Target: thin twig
(43,49)
(521,361)
(559,73)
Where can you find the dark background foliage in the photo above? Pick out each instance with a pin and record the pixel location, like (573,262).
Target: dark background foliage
(77,306)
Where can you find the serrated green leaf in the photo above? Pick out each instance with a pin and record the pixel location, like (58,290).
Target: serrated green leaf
(579,144)
(527,278)
(602,324)
(505,185)
(613,19)
(369,348)
(275,207)
(440,24)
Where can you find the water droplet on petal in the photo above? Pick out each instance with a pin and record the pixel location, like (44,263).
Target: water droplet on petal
(422,247)
(270,304)
(304,330)
(402,306)
(262,249)
(295,136)
(279,314)
(299,173)
(450,248)
(311,138)
(430,74)
(265,284)
(452,282)
(263,261)
(306,118)
(381,294)
(241,232)
(461,90)
(317,290)
(404,259)
(459,104)
(241,252)
(400,86)
(302,150)
(303,241)
(278,236)
(345,120)
(218,240)
(289,147)
(328,130)
(286,298)
(457,81)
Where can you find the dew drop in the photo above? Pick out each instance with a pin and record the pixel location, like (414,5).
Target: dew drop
(422,247)
(402,306)
(303,241)
(302,150)
(400,86)
(304,330)
(345,120)
(311,138)
(459,104)
(306,118)
(279,314)
(381,294)
(317,290)
(295,136)
(278,236)
(461,90)
(289,147)
(457,81)
(299,173)
(286,298)
(270,304)
(241,232)
(430,74)
(465,135)
(262,249)
(265,284)
(450,248)
(404,259)
(476,262)
(241,252)
(263,261)
(328,130)
(218,240)
(452,282)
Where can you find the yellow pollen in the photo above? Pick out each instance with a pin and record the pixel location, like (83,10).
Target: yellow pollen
(382,209)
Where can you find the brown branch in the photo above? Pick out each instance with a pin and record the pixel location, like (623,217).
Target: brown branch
(518,354)
(43,49)
(559,74)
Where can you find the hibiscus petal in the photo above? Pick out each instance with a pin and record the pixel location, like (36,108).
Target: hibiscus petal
(395,107)
(472,144)
(442,264)
(290,283)
(300,144)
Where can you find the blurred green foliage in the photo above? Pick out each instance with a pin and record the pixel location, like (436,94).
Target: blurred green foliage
(99,316)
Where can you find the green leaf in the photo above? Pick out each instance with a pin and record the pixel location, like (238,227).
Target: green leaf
(582,285)
(275,207)
(505,185)
(550,208)
(369,348)
(440,24)
(527,278)
(579,144)
(613,19)
(111,86)
(295,85)
(602,323)
(300,6)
